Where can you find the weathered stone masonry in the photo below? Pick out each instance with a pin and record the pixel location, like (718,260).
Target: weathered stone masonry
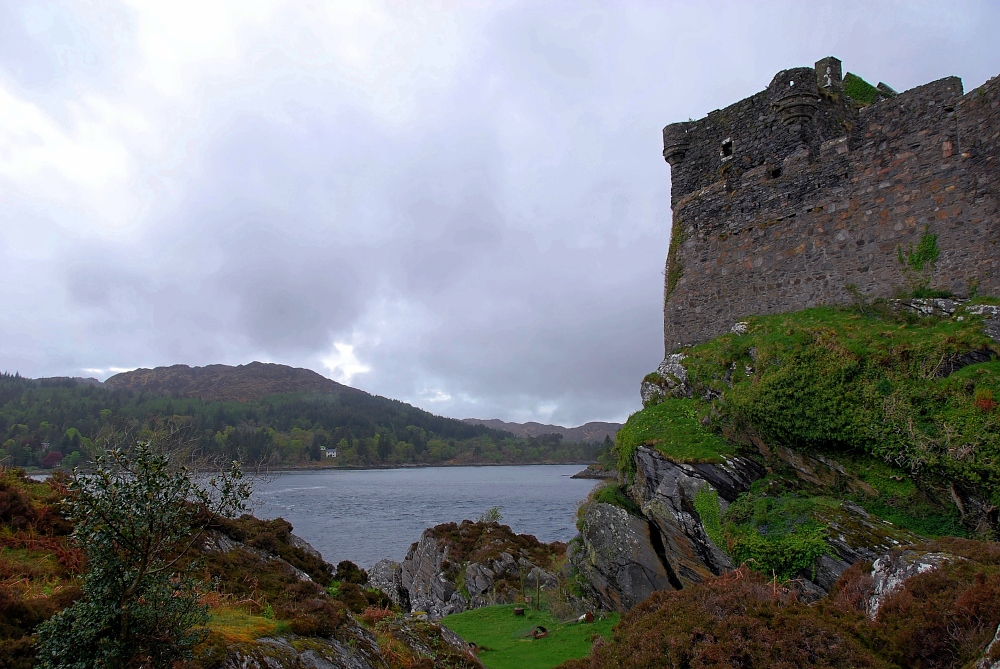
(782,200)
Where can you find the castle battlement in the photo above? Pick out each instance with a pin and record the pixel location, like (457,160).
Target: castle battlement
(783,199)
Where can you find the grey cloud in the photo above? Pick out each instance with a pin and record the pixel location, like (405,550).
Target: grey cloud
(503,242)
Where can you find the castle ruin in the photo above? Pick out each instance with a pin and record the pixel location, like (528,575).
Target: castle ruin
(785,199)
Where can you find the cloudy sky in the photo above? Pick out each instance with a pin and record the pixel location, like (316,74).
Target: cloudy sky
(458,204)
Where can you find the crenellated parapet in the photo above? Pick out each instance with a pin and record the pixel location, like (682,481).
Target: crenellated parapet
(782,200)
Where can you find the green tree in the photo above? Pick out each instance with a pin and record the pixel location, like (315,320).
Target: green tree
(137,516)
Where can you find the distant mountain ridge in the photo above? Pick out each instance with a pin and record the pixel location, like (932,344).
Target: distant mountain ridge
(242,383)
(593,431)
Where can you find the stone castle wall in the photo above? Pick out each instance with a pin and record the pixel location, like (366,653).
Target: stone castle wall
(782,200)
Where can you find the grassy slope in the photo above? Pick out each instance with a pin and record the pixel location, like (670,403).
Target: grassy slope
(861,385)
(505,640)
(674,428)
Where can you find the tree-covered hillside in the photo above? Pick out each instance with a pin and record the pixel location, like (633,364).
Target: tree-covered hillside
(46,422)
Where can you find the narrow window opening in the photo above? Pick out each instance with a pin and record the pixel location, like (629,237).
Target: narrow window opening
(727,148)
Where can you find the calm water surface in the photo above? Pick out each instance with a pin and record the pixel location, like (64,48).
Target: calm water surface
(367,515)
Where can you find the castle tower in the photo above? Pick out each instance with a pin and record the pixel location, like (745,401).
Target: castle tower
(782,200)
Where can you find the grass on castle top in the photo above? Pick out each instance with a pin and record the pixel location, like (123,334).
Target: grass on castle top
(505,640)
(674,428)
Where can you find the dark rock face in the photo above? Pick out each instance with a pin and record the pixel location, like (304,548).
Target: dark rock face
(665,491)
(618,560)
(626,558)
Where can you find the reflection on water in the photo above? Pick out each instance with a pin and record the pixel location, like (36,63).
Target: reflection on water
(367,515)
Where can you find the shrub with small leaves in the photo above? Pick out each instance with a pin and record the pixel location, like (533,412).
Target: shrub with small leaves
(137,516)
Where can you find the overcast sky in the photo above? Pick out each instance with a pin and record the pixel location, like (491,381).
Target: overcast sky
(463,206)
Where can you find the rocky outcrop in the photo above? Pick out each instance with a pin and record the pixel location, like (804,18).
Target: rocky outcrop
(617,558)
(669,380)
(353,647)
(626,557)
(596,473)
(217,542)
(854,536)
(429,640)
(453,568)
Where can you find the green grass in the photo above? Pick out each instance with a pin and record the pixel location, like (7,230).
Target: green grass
(862,380)
(613,494)
(770,534)
(674,428)
(505,639)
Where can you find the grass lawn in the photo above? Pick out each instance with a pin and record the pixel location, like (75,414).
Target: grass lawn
(505,640)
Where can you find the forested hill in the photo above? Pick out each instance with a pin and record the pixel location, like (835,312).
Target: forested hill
(593,431)
(45,422)
(224,382)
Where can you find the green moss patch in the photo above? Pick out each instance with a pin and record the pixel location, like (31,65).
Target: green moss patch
(674,428)
(505,640)
(776,535)
(614,494)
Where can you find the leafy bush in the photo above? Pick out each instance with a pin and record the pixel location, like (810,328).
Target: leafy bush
(136,517)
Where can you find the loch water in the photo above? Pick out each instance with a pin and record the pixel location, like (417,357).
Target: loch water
(367,515)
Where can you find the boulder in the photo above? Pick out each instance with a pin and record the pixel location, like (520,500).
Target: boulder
(304,546)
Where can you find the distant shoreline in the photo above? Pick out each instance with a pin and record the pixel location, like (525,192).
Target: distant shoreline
(307,468)
(428,466)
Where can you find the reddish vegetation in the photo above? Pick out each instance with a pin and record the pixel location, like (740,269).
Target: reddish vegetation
(38,562)
(737,620)
(482,542)
(940,619)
